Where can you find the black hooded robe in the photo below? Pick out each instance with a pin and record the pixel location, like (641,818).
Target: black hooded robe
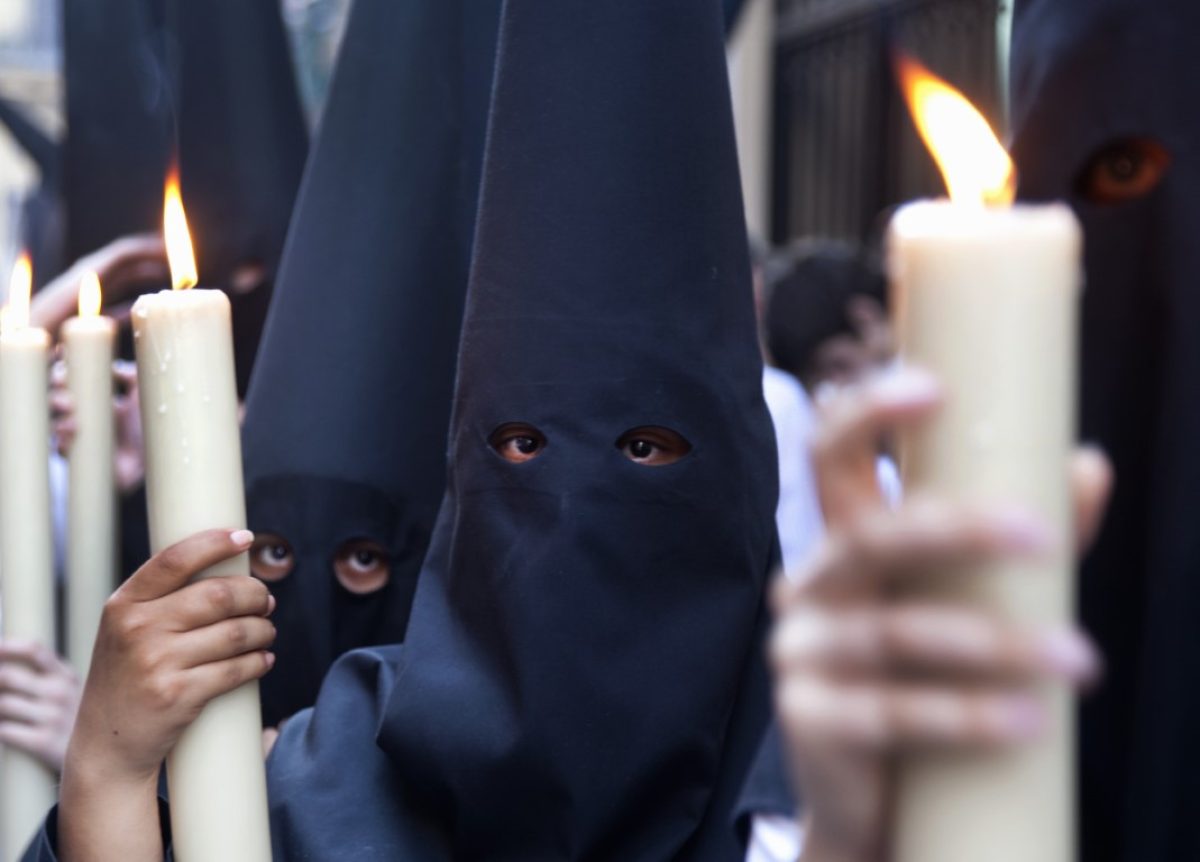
(581,678)
(1088,74)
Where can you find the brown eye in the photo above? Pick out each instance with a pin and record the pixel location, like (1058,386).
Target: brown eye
(653,446)
(1124,171)
(517,442)
(271,557)
(362,566)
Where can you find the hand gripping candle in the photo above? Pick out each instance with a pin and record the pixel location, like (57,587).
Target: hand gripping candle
(27,789)
(184,345)
(986,297)
(91,497)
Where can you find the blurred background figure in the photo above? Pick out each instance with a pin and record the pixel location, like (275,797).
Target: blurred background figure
(315,31)
(826,315)
(32,116)
(100,98)
(798,514)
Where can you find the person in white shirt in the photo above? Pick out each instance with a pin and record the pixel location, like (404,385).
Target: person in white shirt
(798,515)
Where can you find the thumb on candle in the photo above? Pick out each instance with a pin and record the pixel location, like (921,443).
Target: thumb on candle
(172,568)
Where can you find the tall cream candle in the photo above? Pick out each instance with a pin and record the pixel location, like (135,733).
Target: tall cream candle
(27,789)
(184,346)
(91,497)
(986,299)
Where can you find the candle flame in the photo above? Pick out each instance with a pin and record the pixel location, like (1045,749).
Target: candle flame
(180,256)
(973,162)
(15,314)
(89,295)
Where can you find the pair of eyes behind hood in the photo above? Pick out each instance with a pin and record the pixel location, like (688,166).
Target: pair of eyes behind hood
(649,445)
(363,567)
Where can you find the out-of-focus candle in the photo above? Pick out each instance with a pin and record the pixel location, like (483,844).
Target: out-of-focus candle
(184,345)
(91,498)
(27,789)
(986,298)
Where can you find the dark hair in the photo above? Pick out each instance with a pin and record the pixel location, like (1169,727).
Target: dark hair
(808,288)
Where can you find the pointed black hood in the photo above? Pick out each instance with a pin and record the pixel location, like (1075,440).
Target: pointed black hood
(347,416)
(1088,74)
(119,118)
(576,678)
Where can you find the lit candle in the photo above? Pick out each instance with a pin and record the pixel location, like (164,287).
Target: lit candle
(184,346)
(91,498)
(986,298)
(27,789)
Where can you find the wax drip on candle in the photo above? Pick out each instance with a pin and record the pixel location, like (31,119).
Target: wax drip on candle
(973,162)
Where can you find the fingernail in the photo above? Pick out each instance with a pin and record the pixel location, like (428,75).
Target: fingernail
(270,657)
(1016,718)
(271,604)
(242,538)
(1070,654)
(905,385)
(1022,531)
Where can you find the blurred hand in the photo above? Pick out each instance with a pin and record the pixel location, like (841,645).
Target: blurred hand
(124,266)
(39,698)
(844,656)
(129,458)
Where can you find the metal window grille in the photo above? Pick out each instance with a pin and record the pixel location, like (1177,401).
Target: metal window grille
(845,148)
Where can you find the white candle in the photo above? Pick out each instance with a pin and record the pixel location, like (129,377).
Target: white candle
(91,498)
(986,299)
(27,789)
(184,345)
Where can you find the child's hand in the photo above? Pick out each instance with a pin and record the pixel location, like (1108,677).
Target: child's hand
(39,697)
(165,649)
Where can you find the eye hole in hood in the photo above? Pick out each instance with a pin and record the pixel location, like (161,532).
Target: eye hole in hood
(362,566)
(653,446)
(271,558)
(1123,170)
(517,442)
